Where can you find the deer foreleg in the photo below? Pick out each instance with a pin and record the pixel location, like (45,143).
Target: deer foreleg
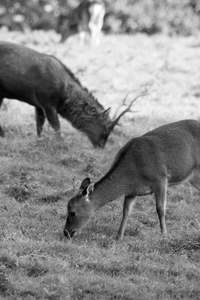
(40,119)
(128,204)
(52,117)
(161,194)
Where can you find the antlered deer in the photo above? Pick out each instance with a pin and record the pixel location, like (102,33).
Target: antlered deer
(43,81)
(148,164)
(87,20)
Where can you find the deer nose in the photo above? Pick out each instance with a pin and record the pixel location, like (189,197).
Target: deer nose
(69,234)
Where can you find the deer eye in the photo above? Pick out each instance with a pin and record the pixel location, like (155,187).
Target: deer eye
(72,214)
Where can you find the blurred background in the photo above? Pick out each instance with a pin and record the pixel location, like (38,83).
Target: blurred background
(122,16)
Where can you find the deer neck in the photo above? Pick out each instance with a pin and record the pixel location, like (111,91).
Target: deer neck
(79,106)
(107,189)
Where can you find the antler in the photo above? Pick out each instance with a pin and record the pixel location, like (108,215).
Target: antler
(120,105)
(128,109)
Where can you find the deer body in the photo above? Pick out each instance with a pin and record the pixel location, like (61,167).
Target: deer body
(44,82)
(88,20)
(148,164)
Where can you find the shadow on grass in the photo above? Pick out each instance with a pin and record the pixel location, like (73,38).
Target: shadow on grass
(8,262)
(20,193)
(185,244)
(55,197)
(113,269)
(51,198)
(36,270)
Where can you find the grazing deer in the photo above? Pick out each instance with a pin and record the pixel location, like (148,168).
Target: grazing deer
(148,164)
(44,82)
(88,20)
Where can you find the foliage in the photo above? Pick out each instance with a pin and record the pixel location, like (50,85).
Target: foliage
(152,16)
(122,16)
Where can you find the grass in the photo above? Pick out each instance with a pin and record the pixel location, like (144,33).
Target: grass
(37,177)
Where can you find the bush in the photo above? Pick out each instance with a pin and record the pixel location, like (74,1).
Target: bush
(122,16)
(152,16)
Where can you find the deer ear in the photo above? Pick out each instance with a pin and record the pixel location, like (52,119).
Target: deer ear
(84,184)
(90,189)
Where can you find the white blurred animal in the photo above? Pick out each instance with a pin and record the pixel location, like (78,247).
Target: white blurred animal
(87,21)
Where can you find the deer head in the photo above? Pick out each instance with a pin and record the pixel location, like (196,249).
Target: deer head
(99,138)
(80,209)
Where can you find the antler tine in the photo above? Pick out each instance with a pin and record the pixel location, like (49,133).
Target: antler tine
(124,100)
(120,105)
(128,109)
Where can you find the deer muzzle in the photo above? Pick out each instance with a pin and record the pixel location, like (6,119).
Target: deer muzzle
(69,234)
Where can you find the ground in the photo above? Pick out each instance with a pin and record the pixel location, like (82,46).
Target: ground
(38,177)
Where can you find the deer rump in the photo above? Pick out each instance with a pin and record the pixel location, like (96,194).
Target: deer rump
(44,82)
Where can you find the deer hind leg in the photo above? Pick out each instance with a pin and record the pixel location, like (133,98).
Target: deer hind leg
(92,37)
(98,37)
(52,117)
(128,204)
(2,134)
(82,37)
(40,119)
(160,192)
(195,179)
(98,31)
(93,34)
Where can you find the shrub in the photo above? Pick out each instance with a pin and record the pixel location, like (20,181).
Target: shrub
(122,16)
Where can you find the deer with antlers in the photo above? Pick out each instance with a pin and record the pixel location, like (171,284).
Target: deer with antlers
(87,20)
(44,82)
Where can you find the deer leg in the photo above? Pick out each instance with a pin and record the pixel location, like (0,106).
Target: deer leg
(1,129)
(1,101)
(63,37)
(161,195)
(82,37)
(128,204)
(97,35)
(40,119)
(2,134)
(52,117)
(92,36)
(195,179)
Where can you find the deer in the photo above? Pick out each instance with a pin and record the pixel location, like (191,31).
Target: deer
(87,21)
(149,164)
(44,82)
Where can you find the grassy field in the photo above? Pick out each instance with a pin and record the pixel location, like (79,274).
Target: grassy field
(37,177)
